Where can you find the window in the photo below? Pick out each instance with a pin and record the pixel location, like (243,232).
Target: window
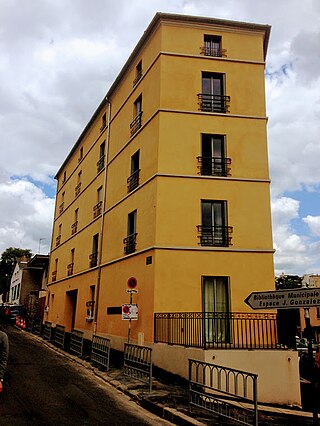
(64,177)
(216,305)
(100,163)
(78,186)
(94,255)
(98,207)
(54,272)
(212,46)
(61,207)
(138,73)
(70,266)
(58,239)
(74,226)
(130,240)
(80,154)
(213,161)
(136,123)
(103,122)
(90,304)
(214,229)
(133,179)
(212,98)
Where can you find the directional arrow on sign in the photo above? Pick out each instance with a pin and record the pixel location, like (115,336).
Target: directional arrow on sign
(284,299)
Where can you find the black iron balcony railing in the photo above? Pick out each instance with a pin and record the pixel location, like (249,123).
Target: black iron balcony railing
(97,209)
(217,330)
(77,189)
(74,228)
(133,180)
(93,259)
(100,164)
(138,77)
(213,103)
(136,124)
(214,166)
(61,207)
(54,276)
(213,51)
(58,240)
(130,243)
(218,236)
(70,269)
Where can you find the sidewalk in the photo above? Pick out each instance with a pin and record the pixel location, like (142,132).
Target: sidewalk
(169,397)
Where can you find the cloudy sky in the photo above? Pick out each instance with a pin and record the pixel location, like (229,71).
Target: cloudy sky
(59,57)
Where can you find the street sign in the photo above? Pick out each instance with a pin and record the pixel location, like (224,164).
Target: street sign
(132,291)
(130,311)
(284,299)
(132,282)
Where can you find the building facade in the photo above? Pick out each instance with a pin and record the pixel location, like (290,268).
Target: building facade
(169,183)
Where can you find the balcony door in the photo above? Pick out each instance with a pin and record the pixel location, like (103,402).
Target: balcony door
(216,306)
(213,92)
(213,155)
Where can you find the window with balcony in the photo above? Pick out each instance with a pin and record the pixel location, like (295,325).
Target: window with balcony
(77,189)
(64,177)
(61,206)
(138,73)
(80,155)
(70,266)
(97,209)
(212,46)
(55,271)
(213,160)
(74,226)
(94,254)
(133,179)
(100,163)
(214,229)
(136,123)
(213,98)
(131,240)
(58,238)
(103,122)
(90,304)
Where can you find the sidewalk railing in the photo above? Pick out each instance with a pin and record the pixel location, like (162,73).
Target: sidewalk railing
(213,387)
(138,363)
(59,335)
(47,330)
(37,326)
(100,352)
(76,342)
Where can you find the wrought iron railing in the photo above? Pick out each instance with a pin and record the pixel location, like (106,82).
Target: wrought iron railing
(217,330)
(74,228)
(213,103)
(215,236)
(214,166)
(130,243)
(133,180)
(100,164)
(77,189)
(70,269)
(61,207)
(58,240)
(97,209)
(137,78)
(93,259)
(136,124)
(213,51)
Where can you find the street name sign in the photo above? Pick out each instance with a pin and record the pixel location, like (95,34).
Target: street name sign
(284,299)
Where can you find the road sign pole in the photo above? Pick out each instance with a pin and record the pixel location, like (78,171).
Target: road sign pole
(129,325)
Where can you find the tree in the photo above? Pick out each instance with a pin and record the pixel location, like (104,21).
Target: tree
(288,281)
(7,264)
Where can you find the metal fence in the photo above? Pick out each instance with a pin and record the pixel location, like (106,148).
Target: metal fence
(100,352)
(47,330)
(76,342)
(59,335)
(138,363)
(30,325)
(37,326)
(217,330)
(211,387)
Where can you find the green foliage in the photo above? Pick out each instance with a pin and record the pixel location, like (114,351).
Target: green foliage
(7,264)
(288,281)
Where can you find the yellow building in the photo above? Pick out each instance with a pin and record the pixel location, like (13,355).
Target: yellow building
(168,183)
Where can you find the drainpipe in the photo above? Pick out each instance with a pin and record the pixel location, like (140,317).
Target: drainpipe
(104,196)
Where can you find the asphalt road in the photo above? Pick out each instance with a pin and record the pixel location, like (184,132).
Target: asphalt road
(45,388)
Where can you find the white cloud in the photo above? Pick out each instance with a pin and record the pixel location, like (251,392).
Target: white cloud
(314,224)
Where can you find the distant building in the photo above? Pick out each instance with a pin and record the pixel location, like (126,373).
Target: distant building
(168,184)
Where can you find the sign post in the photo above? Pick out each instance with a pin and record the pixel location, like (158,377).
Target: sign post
(130,311)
